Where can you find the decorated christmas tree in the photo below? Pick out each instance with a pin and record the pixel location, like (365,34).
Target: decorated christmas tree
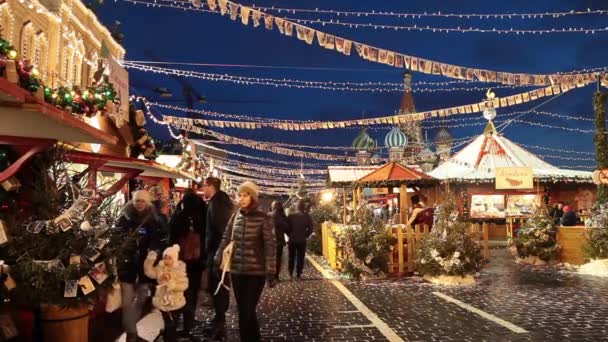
(449,250)
(536,241)
(596,246)
(366,244)
(61,243)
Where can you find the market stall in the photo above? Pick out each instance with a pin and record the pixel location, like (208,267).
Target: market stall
(502,183)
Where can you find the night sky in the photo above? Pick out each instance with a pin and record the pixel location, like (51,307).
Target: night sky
(178,36)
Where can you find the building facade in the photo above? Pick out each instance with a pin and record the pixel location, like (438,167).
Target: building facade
(63,39)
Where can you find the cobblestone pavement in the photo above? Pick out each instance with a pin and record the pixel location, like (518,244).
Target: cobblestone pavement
(551,304)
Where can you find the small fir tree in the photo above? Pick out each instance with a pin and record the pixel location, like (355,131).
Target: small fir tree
(449,249)
(538,238)
(596,245)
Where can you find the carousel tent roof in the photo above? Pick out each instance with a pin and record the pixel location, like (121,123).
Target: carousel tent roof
(480,158)
(394,172)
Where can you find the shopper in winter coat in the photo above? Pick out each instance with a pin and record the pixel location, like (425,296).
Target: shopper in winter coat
(253,258)
(569,218)
(281,227)
(187,229)
(219,211)
(170,274)
(300,229)
(557,212)
(140,219)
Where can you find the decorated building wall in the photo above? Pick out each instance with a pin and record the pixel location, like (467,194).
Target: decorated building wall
(62,38)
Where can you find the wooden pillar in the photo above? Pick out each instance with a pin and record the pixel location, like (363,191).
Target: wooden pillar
(355,199)
(403,203)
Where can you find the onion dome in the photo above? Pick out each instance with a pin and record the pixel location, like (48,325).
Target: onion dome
(395,138)
(363,142)
(443,137)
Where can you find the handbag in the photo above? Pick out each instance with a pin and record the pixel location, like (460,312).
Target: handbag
(190,244)
(227,254)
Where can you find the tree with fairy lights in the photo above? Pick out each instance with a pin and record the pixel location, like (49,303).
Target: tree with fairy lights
(61,240)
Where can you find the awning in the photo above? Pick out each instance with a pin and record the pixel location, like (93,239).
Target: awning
(24,116)
(150,168)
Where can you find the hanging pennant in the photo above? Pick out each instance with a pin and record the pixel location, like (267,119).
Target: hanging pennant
(280,22)
(428,67)
(382,56)
(256,16)
(268,20)
(310,35)
(329,42)
(288,28)
(414,64)
(390,58)
(347,47)
(212,4)
(373,54)
(245,15)
(339,44)
(398,61)
(321,38)
(223,6)
(234,10)
(359,48)
(408,62)
(300,32)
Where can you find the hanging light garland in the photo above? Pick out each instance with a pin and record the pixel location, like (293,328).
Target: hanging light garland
(388,57)
(186,6)
(303,84)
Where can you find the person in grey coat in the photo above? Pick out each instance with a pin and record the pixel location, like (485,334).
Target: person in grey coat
(300,229)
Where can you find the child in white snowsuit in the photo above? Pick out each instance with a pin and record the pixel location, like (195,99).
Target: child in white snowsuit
(172,279)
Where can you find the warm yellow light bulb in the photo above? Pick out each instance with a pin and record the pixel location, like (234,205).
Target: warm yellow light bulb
(12,54)
(35,72)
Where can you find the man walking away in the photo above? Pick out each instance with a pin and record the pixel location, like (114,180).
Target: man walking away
(281,226)
(219,211)
(300,229)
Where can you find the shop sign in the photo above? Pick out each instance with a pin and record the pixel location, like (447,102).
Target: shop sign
(514,178)
(119,77)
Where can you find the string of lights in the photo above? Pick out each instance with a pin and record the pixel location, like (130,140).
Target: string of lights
(588,167)
(151,116)
(187,6)
(388,57)
(269,169)
(532,15)
(304,84)
(470,29)
(544,148)
(268,160)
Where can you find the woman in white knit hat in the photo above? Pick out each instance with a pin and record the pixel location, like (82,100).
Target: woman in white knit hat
(250,233)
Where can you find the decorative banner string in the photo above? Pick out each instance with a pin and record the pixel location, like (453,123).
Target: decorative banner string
(556,149)
(269,169)
(303,84)
(498,102)
(269,160)
(186,6)
(388,57)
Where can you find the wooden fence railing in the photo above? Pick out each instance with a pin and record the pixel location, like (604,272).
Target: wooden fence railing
(401,258)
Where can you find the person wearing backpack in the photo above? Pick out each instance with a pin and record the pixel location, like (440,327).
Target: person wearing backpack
(187,229)
(248,253)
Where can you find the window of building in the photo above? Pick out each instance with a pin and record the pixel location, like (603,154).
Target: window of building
(7,22)
(27,41)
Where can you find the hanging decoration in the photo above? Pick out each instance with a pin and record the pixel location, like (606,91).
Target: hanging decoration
(498,102)
(89,101)
(423,65)
(265,146)
(144,144)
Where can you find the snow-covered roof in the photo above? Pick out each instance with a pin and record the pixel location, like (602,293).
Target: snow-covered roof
(480,158)
(348,174)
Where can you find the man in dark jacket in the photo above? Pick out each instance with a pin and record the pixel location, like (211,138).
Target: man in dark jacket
(187,228)
(300,229)
(281,227)
(569,217)
(219,211)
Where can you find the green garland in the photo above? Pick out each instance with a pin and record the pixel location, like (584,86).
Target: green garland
(601,141)
(84,101)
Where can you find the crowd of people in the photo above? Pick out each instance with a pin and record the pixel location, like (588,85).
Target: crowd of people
(229,245)
(563,215)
